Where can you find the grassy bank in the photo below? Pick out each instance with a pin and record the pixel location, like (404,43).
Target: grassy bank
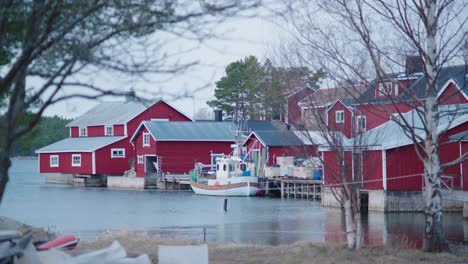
(301,252)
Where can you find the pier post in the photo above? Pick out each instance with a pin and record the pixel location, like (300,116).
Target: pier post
(282,188)
(294,190)
(465,210)
(165,183)
(307,186)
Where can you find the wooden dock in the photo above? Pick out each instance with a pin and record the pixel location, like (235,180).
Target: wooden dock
(301,188)
(174,182)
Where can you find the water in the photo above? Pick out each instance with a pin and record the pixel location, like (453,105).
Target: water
(87,212)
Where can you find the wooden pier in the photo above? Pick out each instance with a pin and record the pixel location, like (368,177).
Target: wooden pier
(301,188)
(174,182)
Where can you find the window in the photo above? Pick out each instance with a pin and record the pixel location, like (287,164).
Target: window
(361,123)
(146,139)
(224,167)
(243,167)
(117,153)
(140,159)
(339,116)
(76,160)
(385,88)
(83,131)
(109,130)
(54,161)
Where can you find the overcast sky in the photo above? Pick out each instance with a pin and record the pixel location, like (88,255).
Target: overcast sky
(240,37)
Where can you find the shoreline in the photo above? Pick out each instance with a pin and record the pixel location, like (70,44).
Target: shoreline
(141,242)
(24,158)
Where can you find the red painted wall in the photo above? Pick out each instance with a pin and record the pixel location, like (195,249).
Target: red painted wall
(158,110)
(452,95)
(371,170)
(140,150)
(464,166)
(294,111)
(105,164)
(404,161)
(377,114)
(331,167)
(74,131)
(119,130)
(180,157)
(95,131)
(345,127)
(65,163)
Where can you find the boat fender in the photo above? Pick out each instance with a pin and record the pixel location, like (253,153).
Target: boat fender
(216,183)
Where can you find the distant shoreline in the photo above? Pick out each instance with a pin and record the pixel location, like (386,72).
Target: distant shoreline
(24,158)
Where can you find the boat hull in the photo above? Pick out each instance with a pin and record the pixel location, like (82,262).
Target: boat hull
(233,189)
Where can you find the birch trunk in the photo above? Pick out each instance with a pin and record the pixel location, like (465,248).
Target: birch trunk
(350,226)
(434,239)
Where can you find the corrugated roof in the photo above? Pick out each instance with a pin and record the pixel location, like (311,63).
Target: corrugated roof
(278,138)
(79,144)
(463,136)
(111,113)
(391,135)
(192,131)
(327,96)
(312,137)
(254,125)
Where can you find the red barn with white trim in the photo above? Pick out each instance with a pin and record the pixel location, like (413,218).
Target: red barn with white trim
(98,142)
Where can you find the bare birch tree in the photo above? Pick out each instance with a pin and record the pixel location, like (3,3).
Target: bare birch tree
(353,39)
(58,43)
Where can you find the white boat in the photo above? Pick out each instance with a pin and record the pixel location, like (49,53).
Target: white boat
(232,179)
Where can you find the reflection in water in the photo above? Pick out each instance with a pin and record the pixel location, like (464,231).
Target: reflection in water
(89,211)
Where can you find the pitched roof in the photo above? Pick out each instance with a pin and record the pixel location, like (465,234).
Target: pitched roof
(79,144)
(463,136)
(418,88)
(327,96)
(190,131)
(278,138)
(254,125)
(391,134)
(455,73)
(110,113)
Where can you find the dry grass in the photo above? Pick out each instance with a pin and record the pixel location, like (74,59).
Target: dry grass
(137,243)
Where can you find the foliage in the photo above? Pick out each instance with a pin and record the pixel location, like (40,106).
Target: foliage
(47,131)
(250,89)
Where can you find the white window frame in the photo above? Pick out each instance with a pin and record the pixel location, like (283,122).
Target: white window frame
(111,130)
(114,156)
(140,159)
(80,131)
(385,88)
(359,128)
(146,136)
(337,114)
(52,165)
(73,160)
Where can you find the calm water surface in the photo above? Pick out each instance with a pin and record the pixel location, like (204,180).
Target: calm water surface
(91,211)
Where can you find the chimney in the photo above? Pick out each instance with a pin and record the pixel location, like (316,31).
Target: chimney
(130,96)
(218,115)
(413,64)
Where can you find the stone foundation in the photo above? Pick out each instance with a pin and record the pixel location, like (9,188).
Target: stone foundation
(394,201)
(58,178)
(125,182)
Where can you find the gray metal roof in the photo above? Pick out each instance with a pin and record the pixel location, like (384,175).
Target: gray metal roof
(79,144)
(112,113)
(191,131)
(463,136)
(254,125)
(278,138)
(391,134)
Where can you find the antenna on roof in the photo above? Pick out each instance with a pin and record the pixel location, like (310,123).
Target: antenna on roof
(131,95)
